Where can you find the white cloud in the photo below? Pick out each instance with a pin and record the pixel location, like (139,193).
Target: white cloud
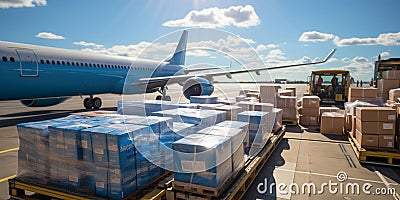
(385,54)
(346,60)
(89,44)
(261,47)
(52,36)
(238,16)
(359,67)
(385,39)
(272,46)
(314,36)
(21,3)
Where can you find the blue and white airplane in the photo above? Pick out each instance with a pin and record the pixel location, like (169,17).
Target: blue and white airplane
(44,76)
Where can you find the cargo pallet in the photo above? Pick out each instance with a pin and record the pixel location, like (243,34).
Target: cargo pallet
(235,188)
(238,186)
(18,189)
(379,156)
(293,122)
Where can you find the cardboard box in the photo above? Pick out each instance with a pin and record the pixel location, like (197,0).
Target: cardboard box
(286,93)
(385,85)
(378,128)
(286,102)
(328,109)
(309,111)
(289,113)
(354,125)
(278,118)
(348,122)
(391,74)
(386,141)
(376,114)
(332,123)
(310,102)
(363,92)
(308,120)
(293,89)
(268,92)
(366,140)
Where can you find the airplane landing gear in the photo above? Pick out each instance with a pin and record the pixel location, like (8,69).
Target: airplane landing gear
(92,103)
(163,95)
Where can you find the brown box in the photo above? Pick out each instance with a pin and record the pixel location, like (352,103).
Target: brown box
(386,141)
(310,102)
(309,111)
(293,89)
(328,109)
(286,102)
(332,123)
(348,122)
(363,92)
(308,120)
(265,107)
(286,93)
(253,94)
(231,111)
(378,128)
(366,140)
(268,92)
(289,113)
(376,114)
(384,86)
(391,74)
(354,125)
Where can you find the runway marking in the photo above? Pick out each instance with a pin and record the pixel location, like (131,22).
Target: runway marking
(387,184)
(5,179)
(334,176)
(9,150)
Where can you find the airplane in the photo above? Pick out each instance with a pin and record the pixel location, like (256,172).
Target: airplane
(42,76)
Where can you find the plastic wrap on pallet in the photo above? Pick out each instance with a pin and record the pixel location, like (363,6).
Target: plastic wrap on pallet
(259,129)
(277,118)
(202,159)
(145,107)
(237,137)
(239,125)
(394,94)
(201,118)
(231,111)
(204,99)
(210,106)
(350,107)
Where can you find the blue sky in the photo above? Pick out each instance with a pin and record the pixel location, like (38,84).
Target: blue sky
(283,32)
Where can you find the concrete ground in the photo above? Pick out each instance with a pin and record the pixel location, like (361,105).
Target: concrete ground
(303,156)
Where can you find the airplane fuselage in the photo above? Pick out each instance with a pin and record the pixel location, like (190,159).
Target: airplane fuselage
(30,72)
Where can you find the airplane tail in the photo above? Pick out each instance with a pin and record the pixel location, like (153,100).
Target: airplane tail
(179,56)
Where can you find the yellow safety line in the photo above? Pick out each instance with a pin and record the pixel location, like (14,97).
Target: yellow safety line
(9,150)
(5,179)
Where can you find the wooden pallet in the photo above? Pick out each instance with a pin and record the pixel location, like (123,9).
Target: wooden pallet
(379,156)
(290,122)
(18,189)
(204,191)
(239,185)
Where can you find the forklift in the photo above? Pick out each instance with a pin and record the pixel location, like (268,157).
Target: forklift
(331,86)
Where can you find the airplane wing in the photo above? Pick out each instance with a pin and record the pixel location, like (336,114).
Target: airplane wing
(161,81)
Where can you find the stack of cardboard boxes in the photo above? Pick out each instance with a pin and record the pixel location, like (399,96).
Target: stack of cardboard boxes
(268,93)
(288,106)
(390,80)
(309,110)
(363,94)
(376,127)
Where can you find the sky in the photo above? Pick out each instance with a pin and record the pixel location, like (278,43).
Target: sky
(253,33)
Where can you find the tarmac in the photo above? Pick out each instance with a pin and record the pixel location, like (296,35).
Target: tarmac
(303,158)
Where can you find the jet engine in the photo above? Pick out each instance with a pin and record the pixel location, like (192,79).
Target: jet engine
(197,86)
